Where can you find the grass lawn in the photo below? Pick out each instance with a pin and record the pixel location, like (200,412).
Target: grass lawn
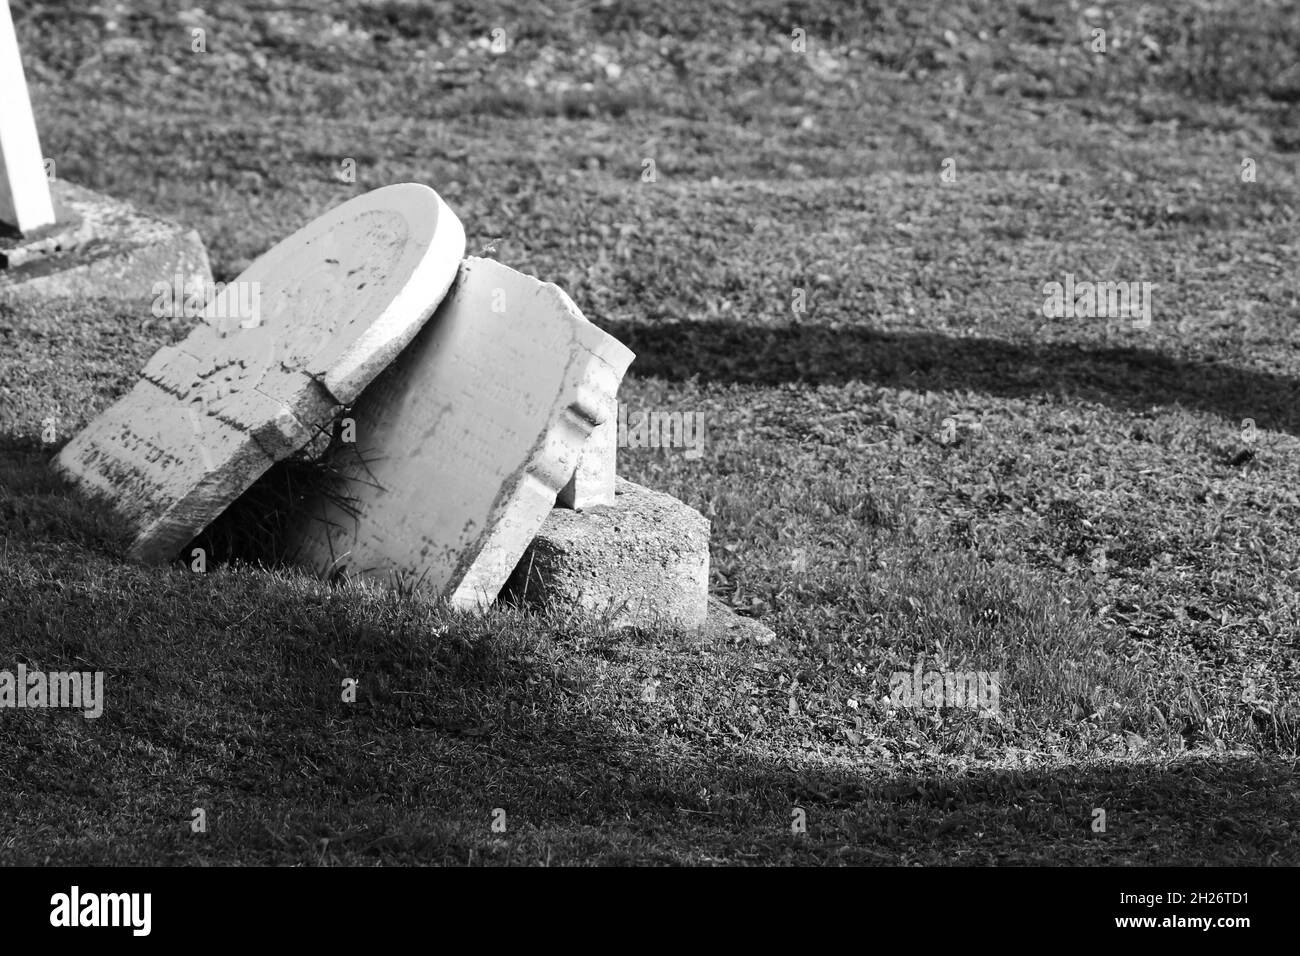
(914,468)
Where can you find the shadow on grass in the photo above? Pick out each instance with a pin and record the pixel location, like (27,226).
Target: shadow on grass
(1129,379)
(226,692)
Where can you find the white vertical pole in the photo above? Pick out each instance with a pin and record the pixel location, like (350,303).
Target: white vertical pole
(24,190)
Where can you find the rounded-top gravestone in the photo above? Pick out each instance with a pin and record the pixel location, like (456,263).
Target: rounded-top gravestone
(299,333)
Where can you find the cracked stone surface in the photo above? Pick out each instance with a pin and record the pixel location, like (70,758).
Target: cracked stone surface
(468,438)
(335,303)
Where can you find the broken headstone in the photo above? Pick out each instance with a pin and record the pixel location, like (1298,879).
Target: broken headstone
(299,333)
(467,438)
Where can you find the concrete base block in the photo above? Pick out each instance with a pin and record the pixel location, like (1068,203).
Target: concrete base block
(642,562)
(99,246)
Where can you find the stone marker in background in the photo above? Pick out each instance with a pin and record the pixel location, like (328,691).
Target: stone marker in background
(99,247)
(301,332)
(71,241)
(471,435)
(25,202)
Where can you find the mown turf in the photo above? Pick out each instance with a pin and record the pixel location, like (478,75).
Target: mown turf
(916,468)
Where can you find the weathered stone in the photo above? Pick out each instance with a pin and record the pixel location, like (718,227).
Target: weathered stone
(331,306)
(644,561)
(62,240)
(469,438)
(99,246)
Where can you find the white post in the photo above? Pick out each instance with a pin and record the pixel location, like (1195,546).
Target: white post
(24,190)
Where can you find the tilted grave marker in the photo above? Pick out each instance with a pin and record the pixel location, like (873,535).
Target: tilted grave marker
(25,203)
(334,304)
(468,438)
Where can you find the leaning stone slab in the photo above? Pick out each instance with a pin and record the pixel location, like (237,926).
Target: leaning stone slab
(468,438)
(302,331)
(643,562)
(98,246)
